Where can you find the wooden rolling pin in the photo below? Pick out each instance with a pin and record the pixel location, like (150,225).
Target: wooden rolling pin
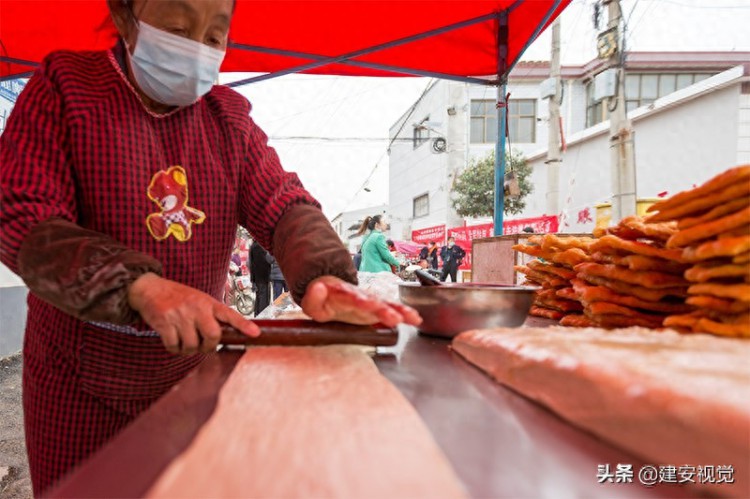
(310,333)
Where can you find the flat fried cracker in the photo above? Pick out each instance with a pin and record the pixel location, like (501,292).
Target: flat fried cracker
(567,293)
(646,278)
(740,231)
(611,321)
(643,262)
(659,231)
(704,231)
(638,291)
(554,270)
(536,251)
(577,320)
(545,312)
(552,242)
(590,294)
(686,321)
(703,273)
(541,277)
(714,249)
(720,305)
(607,308)
(735,175)
(700,205)
(637,247)
(741,258)
(571,257)
(713,214)
(739,292)
(720,329)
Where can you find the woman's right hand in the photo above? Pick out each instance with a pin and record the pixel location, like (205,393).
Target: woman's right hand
(187,320)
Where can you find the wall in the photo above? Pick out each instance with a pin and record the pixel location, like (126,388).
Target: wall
(681,140)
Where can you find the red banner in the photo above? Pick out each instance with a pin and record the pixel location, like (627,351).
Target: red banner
(424,236)
(541,225)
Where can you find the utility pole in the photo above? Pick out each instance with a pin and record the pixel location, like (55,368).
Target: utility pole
(554,157)
(622,158)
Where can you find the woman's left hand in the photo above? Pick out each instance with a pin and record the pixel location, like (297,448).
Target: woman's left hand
(329,298)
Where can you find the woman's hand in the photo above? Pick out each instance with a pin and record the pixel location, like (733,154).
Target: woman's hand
(329,298)
(187,320)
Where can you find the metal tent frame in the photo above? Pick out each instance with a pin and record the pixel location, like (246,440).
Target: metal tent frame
(503,69)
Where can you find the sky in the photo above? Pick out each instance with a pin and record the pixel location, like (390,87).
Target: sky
(333,131)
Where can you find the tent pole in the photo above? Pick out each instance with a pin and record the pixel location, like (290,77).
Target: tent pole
(502,109)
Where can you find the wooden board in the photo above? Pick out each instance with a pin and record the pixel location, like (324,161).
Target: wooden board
(310,422)
(671,399)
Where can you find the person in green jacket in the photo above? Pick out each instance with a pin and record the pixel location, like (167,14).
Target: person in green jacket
(375,254)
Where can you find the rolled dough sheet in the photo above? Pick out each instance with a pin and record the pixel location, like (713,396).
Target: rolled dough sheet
(310,422)
(671,399)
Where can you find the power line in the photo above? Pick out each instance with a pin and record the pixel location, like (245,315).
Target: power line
(338,139)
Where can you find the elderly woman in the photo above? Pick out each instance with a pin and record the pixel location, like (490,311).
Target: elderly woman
(124,174)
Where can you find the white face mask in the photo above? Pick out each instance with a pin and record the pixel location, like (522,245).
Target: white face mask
(171,69)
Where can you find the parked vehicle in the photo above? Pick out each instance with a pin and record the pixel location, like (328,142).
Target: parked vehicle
(238,292)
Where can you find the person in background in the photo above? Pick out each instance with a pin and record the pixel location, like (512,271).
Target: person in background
(432,253)
(424,252)
(452,256)
(376,257)
(357,258)
(278,283)
(123,176)
(260,272)
(528,230)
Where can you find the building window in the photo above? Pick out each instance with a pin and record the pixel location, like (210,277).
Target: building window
(421,206)
(421,133)
(641,89)
(521,121)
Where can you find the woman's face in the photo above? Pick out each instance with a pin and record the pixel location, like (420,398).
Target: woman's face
(203,21)
(382,225)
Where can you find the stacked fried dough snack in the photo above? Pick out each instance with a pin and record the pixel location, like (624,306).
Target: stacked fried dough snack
(687,266)
(633,279)
(713,236)
(554,271)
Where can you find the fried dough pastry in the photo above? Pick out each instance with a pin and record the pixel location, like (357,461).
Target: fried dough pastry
(714,249)
(739,231)
(576,320)
(599,308)
(739,292)
(567,293)
(590,294)
(552,242)
(700,232)
(615,320)
(633,290)
(545,312)
(703,273)
(570,257)
(637,247)
(686,321)
(555,271)
(535,251)
(699,205)
(540,277)
(551,301)
(646,278)
(717,212)
(722,329)
(659,231)
(742,258)
(720,305)
(735,175)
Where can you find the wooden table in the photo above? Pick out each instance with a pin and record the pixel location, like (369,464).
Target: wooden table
(499,443)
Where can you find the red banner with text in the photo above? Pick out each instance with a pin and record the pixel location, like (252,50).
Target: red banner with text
(424,236)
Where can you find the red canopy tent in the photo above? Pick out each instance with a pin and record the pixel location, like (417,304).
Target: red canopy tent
(452,39)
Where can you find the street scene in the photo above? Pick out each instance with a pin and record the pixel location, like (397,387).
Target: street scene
(493,248)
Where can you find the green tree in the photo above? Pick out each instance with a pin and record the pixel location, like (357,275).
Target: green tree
(474,189)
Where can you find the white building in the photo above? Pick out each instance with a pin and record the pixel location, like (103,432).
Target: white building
(346,225)
(690,112)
